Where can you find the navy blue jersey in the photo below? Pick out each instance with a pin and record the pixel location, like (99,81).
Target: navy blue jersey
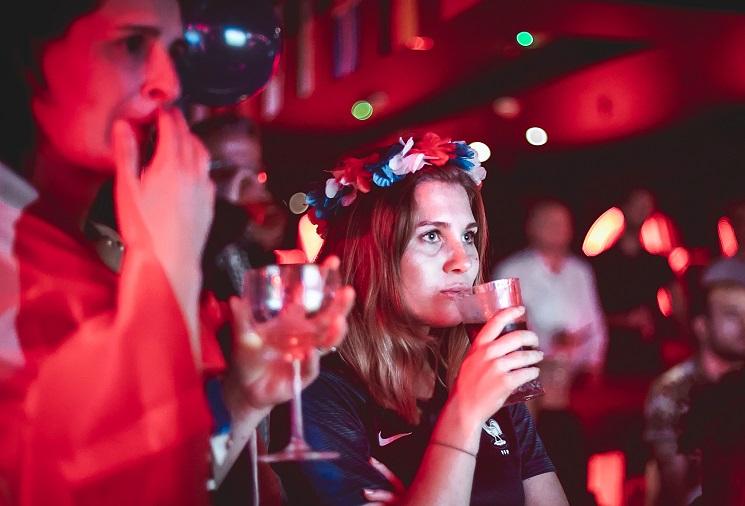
(341,416)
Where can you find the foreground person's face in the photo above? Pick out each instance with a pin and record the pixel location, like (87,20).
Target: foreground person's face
(441,256)
(113,63)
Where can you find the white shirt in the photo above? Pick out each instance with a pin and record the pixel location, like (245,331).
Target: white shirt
(560,301)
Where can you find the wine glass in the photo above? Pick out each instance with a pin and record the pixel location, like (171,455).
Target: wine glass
(281,300)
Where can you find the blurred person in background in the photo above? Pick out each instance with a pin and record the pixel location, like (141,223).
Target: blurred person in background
(628,279)
(247,227)
(719,327)
(559,290)
(248,224)
(561,299)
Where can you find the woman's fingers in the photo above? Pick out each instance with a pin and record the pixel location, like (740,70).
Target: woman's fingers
(518,360)
(510,342)
(124,146)
(521,376)
(167,149)
(309,368)
(496,324)
(398,485)
(331,263)
(379,497)
(331,324)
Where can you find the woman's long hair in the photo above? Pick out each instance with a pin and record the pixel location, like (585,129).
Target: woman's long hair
(382,345)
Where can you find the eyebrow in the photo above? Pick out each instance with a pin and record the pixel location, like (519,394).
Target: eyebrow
(150,30)
(442,224)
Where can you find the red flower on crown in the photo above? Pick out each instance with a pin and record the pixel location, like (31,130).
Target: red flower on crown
(437,151)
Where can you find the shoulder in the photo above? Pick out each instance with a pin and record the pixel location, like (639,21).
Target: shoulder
(516,261)
(675,379)
(669,395)
(337,387)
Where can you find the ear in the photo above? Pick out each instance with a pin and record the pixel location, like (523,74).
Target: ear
(700,326)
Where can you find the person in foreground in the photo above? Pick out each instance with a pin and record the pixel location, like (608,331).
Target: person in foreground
(102,352)
(417,413)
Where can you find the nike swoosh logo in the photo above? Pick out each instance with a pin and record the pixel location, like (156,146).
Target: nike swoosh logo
(385,441)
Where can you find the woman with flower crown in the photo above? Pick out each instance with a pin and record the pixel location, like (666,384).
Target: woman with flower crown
(415,411)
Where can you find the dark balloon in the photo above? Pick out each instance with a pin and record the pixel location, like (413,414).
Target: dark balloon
(232,48)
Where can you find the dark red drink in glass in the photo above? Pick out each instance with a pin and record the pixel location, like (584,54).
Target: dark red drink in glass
(480,303)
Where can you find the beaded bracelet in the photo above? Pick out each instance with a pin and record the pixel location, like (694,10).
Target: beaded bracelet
(453,447)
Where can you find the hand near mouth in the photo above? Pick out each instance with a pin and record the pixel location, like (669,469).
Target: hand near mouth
(167,210)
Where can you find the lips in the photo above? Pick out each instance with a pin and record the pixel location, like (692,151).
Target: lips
(453,291)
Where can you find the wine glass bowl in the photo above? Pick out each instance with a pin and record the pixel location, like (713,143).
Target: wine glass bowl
(282,301)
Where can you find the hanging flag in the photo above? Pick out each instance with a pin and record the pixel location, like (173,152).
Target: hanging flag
(346,37)
(451,8)
(404,21)
(272,98)
(306,48)
(384,27)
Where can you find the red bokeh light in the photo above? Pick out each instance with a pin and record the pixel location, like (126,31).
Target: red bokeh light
(420,43)
(679,260)
(658,235)
(727,239)
(665,302)
(604,232)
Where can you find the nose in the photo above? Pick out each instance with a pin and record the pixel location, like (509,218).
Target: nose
(458,258)
(162,83)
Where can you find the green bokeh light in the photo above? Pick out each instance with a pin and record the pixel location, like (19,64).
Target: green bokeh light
(362,110)
(524,39)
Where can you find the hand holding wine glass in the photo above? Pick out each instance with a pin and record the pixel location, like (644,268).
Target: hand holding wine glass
(288,313)
(265,377)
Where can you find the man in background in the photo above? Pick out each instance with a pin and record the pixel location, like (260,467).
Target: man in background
(563,309)
(720,331)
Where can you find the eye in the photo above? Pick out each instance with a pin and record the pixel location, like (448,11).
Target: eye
(178,49)
(431,236)
(470,237)
(135,44)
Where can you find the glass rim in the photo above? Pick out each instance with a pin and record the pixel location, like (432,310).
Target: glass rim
(273,268)
(490,286)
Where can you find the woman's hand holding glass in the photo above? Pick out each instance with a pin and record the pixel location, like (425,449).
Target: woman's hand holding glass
(494,367)
(291,312)
(262,371)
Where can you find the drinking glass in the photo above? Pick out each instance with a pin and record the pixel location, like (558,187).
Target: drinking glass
(479,303)
(281,300)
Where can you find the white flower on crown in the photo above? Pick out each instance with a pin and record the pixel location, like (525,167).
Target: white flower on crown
(477,173)
(402,163)
(332,187)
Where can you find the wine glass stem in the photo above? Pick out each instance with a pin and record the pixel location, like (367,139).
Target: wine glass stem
(297,438)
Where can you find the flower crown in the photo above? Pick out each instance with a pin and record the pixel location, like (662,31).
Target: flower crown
(354,175)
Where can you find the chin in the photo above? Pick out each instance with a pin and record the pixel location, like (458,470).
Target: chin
(444,320)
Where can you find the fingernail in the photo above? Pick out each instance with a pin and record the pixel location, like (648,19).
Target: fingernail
(366,491)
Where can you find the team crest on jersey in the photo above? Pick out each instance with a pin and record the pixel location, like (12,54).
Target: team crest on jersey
(492,428)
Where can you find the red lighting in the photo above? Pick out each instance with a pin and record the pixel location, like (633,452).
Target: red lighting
(262,177)
(658,235)
(310,241)
(665,302)
(679,260)
(420,43)
(727,239)
(604,232)
(290,256)
(605,477)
